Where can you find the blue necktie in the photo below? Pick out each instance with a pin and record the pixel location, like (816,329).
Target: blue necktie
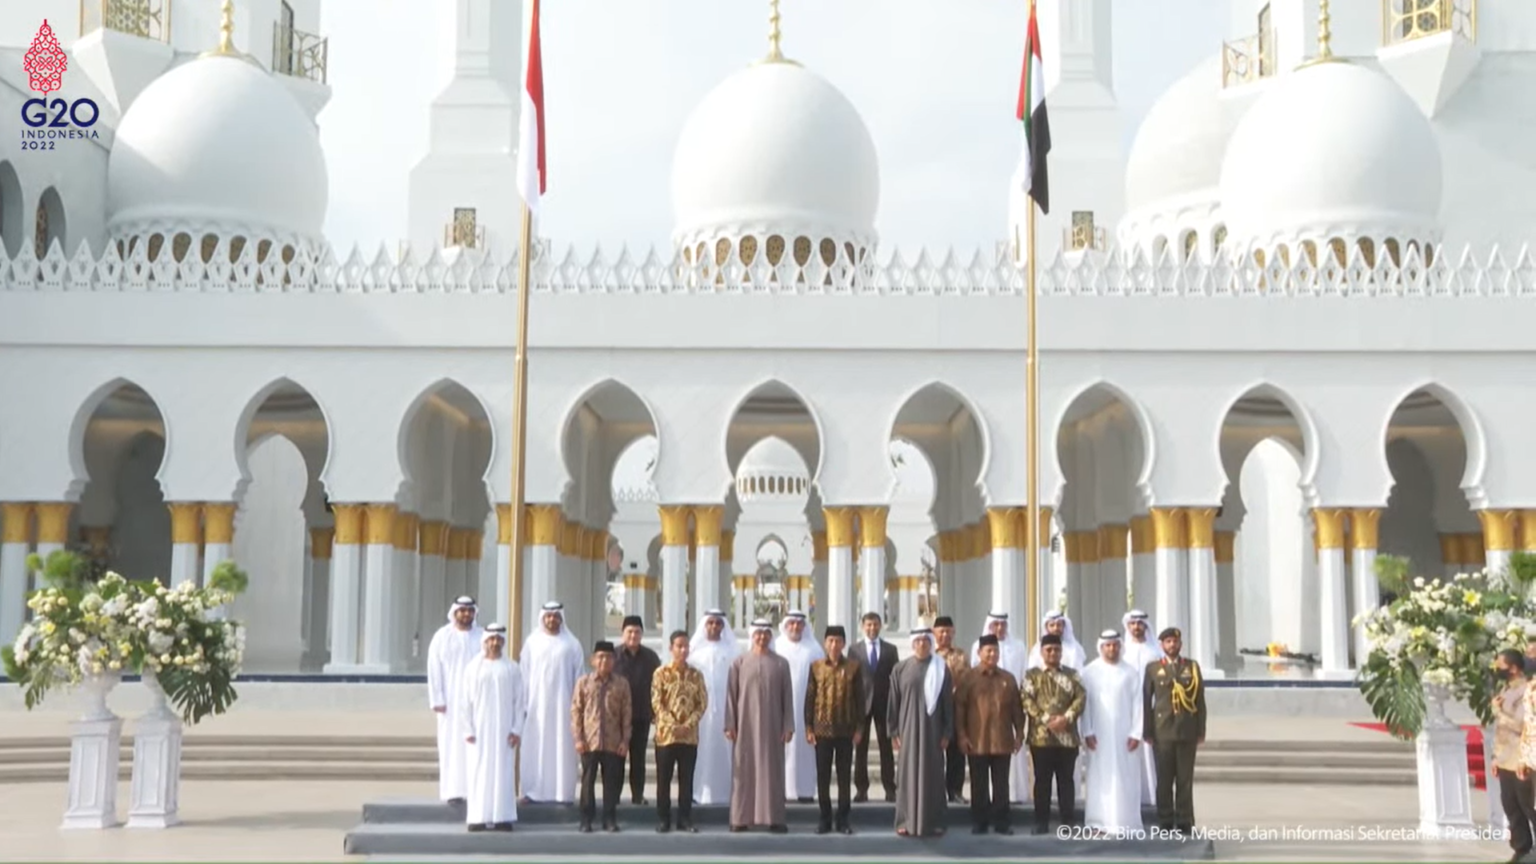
(874,655)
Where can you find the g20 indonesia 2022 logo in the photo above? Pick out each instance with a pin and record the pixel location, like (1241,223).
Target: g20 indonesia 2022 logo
(46,121)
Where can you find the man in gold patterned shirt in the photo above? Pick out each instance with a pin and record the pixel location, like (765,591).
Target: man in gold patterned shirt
(837,699)
(601,721)
(1053,698)
(958,662)
(1515,787)
(678,702)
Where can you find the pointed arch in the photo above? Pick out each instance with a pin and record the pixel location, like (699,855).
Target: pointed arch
(768,388)
(1299,415)
(1472,434)
(296,393)
(1142,473)
(12,230)
(465,403)
(911,403)
(87,412)
(52,223)
(613,401)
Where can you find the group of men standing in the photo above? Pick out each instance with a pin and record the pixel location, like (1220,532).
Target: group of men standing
(775,722)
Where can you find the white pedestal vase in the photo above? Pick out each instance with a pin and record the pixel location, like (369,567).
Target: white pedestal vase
(156,762)
(1445,790)
(94,742)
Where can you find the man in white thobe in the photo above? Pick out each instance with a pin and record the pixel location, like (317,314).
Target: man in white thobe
(1141,649)
(799,755)
(711,651)
(1012,657)
(453,647)
(491,707)
(1111,732)
(552,661)
(1072,654)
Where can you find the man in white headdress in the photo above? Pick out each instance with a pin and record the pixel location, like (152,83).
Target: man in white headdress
(1111,728)
(799,755)
(1012,657)
(921,717)
(492,705)
(552,662)
(453,648)
(711,651)
(1072,654)
(1141,649)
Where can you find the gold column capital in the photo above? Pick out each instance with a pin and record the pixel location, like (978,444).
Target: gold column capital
(15,523)
(543,524)
(407,532)
(839,522)
(320,540)
(219,522)
(474,543)
(379,524)
(1045,524)
(458,543)
(1168,527)
(674,524)
(1500,529)
(433,538)
(349,523)
(706,524)
(569,541)
(504,524)
(186,527)
(728,544)
(1081,547)
(1007,527)
(1142,542)
(1202,526)
(818,545)
(1225,546)
(872,526)
(1365,528)
(1528,530)
(1113,543)
(53,521)
(1450,548)
(1328,525)
(1473,551)
(597,544)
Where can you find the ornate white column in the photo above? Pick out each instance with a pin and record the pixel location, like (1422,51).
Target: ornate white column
(474,550)
(500,603)
(1202,635)
(186,540)
(218,535)
(321,542)
(872,563)
(1143,565)
(1077,588)
(1114,540)
(1364,536)
(1500,532)
(15,544)
(742,600)
(544,525)
(674,566)
(346,589)
(454,572)
(725,601)
(1169,527)
(706,568)
(840,581)
(1333,615)
(820,582)
(1006,528)
(413,625)
(1226,598)
(948,576)
(378,586)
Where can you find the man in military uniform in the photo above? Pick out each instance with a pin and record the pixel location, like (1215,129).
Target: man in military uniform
(1173,712)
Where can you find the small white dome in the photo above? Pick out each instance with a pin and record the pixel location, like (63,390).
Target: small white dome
(772,457)
(1333,151)
(775,148)
(217,142)
(1180,145)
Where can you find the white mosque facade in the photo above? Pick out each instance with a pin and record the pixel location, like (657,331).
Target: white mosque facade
(1288,331)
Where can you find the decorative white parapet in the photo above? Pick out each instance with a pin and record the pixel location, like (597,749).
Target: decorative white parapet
(94,742)
(156,762)
(1445,789)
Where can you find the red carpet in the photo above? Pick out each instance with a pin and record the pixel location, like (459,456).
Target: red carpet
(1475,766)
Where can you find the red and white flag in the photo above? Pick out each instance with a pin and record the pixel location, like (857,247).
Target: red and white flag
(531,176)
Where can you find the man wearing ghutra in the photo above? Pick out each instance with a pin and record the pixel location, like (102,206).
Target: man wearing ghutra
(552,662)
(1139,651)
(712,650)
(799,756)
(1111,728)
(759,720)
(921,717)
(453,648)
(1072,654)
(492,704)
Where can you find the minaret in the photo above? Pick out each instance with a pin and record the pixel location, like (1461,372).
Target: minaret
(1086,163)
(464,191)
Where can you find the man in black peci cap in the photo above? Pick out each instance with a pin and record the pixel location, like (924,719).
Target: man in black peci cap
(959,663)
(1173,720)
(637,664)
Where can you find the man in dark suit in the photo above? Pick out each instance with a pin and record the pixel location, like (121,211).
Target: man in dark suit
(879,659)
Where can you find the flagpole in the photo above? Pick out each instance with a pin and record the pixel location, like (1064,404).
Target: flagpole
(1032,528)
(519,439)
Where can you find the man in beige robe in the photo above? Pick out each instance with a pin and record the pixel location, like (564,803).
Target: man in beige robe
(759,721)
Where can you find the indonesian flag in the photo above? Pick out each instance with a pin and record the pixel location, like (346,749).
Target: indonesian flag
(1037,128)
(531,175)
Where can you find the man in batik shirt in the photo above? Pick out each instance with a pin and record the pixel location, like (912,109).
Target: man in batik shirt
(678,702)
(1053,699)
(601,721)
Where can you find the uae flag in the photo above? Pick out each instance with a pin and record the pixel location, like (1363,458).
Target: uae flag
(1037,127)
(530,153)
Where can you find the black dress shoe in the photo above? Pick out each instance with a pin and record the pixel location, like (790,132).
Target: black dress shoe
(979,829)
(477,828)
(639,799)
(611,828)
(1005,831)
(890,797)
(1041,829)
(806,799)
(846,829)
(504,827)
(687,828)
(778,829)
(823,828)
(664,828)
(585,828)
(861,798)
(455,802)
(737,829)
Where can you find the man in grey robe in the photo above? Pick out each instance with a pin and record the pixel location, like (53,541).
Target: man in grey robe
(921,717)
(759,721)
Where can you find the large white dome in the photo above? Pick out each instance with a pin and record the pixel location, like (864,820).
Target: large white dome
(217,146)
(1180,145)
(775,149)
(1333,152)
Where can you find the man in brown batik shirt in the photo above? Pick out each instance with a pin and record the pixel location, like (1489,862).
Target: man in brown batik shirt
(990,723)
(601,721)
(837,699)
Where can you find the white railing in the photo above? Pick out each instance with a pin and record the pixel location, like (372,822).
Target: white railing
(267,268)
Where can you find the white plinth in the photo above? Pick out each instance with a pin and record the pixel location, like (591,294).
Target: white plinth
(156,770)
(1445,790)
(93,761)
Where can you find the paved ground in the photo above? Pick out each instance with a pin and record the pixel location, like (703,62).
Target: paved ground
(250,821)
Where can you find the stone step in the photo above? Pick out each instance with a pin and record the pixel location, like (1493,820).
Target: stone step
(197,740)
(1314,776)
(365,755)
(639,840)
(294,771)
